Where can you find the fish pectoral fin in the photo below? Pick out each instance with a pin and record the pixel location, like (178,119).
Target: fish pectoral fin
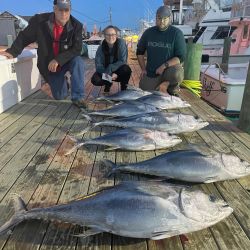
(111,148)
(211,179)
(164,234)
(88,233)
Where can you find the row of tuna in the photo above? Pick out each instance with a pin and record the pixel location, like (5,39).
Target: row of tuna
(152,209)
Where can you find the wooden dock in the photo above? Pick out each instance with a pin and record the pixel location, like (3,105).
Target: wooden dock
(33,140)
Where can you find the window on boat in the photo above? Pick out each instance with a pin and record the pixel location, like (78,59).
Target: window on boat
(199,33)
(223,32)
(245,32)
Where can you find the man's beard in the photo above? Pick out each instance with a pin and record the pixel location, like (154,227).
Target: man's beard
(163,29)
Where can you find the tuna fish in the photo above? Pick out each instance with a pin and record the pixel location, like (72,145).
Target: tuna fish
(133,139)
(172,123)
(132,93)
(164,101)
(188,165)
(133,209)
(126,109)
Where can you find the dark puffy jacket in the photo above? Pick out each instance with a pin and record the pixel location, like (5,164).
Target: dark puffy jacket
(40,30)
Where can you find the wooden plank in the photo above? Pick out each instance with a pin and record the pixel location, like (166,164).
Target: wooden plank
(213,115)
(16,127)
(20,160)
(101,241)
(47,193)
(15,108)
(16,143)
(228,233)
(242,213)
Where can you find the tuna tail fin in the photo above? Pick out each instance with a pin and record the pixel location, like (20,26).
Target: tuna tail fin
(107,167)
(77,144)
(89,126)
(20,209)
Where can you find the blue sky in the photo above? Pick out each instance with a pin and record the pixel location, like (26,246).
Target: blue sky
(125,13)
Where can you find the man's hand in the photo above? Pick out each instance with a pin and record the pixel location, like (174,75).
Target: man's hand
(143,73)
(5,53)
(53,65)
(114,76)
(160,70)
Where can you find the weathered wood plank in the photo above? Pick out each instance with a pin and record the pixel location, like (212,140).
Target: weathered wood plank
(33,174)
(242,215)
(14,128)
(101,241)
(20,160)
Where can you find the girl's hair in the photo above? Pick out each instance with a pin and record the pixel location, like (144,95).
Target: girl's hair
(110,27)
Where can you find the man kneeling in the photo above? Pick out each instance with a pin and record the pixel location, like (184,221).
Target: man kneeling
(166,48)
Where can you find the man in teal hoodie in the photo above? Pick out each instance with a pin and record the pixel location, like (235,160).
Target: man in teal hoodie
(166,48)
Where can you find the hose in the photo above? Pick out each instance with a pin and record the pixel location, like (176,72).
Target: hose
(193,85)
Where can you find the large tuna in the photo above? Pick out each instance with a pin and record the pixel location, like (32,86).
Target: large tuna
(164,101)
(188,165)
(126,109)
(133,209)
(132,93)
(132,139)
(172,123)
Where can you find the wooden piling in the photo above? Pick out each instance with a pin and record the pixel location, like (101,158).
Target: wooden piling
(226,54)
(244,122)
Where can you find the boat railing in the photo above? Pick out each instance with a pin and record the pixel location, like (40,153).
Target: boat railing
(221,72)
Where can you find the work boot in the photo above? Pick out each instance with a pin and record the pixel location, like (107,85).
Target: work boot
(81,104)
(173,90)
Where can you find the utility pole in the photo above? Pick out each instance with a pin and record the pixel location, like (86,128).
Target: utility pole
(110,16)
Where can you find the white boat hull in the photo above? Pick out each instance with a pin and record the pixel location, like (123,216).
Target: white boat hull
(227,93)
(19,78)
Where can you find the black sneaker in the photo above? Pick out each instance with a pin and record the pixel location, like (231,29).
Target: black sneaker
(81,104)
(107,88)
(124,87)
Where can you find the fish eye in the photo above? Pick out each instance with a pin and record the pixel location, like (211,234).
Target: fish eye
(241,160)
(212,198)
(196,117)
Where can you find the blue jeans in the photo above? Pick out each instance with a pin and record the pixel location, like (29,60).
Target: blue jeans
(58,83)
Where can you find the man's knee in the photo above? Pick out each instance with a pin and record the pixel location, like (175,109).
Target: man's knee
(77,61)
(174,74)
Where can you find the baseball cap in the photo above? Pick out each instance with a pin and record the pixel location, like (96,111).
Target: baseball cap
(62,4)
(163,11)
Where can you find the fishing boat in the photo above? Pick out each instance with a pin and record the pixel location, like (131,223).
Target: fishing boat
(218,24)
(224,91)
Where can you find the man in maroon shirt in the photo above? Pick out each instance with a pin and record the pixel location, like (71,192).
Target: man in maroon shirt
(59,38)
